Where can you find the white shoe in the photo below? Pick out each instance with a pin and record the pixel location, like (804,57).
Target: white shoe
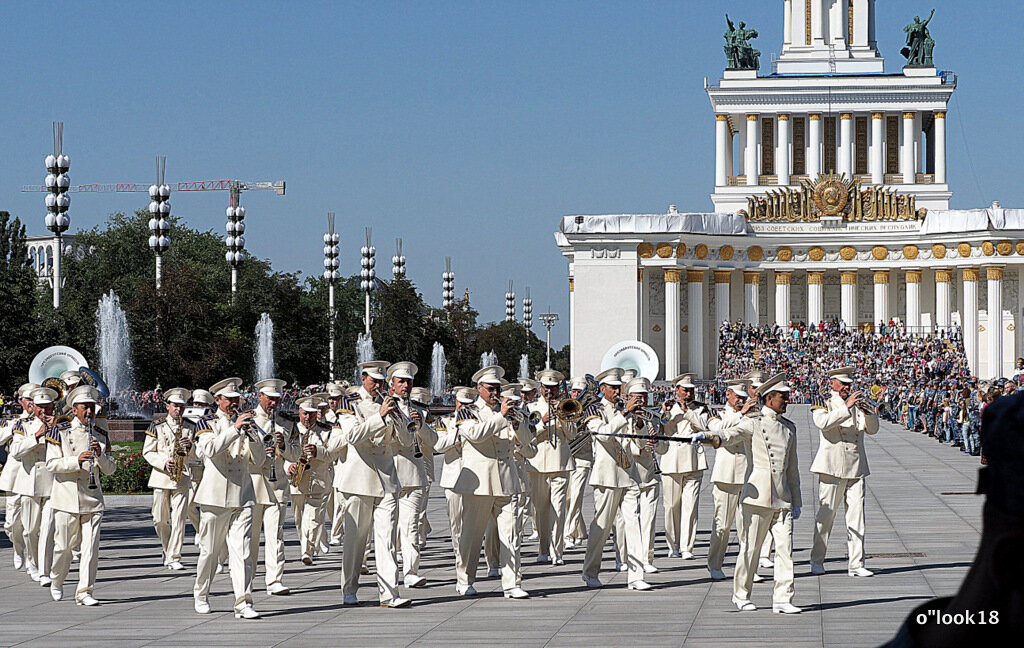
(57,593)
(516,593)
(397,602)
(76,556)
(743,605)
(650,569)
(620,567)
(175,565)
(247,612)
(325,548)
(570,544)
(686,555)
(202,607)
(19,560)
(766,563)
(592,582)
(220,568)
(863,572)
(559,560)
(414,580)
(335,542)
(717,574)
(758,578)
(350,599)
(785,608)
(640,586)
(817,569)
(465,590)
(543,559)
(33,573)
(307,559)
(277,589)
(675,554)
(45,581)
(87,601)
(493,572)
(534,535)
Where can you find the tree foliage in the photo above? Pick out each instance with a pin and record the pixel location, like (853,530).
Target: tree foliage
(18,297)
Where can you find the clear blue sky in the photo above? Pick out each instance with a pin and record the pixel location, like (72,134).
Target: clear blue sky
(466,128)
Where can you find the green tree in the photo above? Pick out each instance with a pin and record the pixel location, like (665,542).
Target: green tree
(398,327)
(509,341)
(18,296)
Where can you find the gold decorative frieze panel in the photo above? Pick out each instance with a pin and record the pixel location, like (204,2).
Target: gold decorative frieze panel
(645,250)
(726,252)
(663,250)
(833,196)
(755,253)
(939,251)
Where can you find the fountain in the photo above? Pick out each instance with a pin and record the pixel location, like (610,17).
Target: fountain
(438,366)
(488,358)
(364,351)
(113,348)
(264,356)
(524,367)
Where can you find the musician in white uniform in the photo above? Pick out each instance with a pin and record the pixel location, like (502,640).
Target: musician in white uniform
(76,453)
(13,526)
(32,481)
(548,471)
(842,468)
(308,476)
(168,449)
(582,459)
(202,401)
(683,468)
(421,398)
(449,442)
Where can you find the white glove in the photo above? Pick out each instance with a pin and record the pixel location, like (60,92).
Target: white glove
(697,438)
(796,512)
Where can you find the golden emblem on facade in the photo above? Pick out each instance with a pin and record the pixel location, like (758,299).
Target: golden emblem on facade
(664,250)
(1004,248)
(879,252)
(701,251)
(816,253)
(910,252)
(987,248)
(755,253)
(939,251)
(1020,248)
(645,250)
(681,250)
(831,196)
(846,253)
(726,252)
(964,249)
(784,254)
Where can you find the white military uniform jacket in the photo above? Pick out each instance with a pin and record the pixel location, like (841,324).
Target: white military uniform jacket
(412,470)
(684,457)
(646,458)
(841,450)
(71,492)
(227,455)
(773,480)
(613,456)
(366,445)
(12,465)
(272,492)
(159,449)
(550,458)
(488,446)
(31,478)
(731,462)
(449,441)
(316,478)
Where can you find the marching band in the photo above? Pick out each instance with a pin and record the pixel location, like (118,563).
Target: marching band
(356,465)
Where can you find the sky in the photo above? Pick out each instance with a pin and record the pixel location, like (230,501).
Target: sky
(468,129)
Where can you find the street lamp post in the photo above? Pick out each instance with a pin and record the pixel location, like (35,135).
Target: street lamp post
(57,203)
(331,274)
(235,240)
(398,261)
(548,320)
(528,310)
(367,276)
(159,217)
(510,304)
(447,284)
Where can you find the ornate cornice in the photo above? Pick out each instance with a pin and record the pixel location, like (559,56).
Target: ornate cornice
(970,274)
(694,276)
(783,277)
(994,274)
(722,276)
(751,277)
(881,276)
(815,277)
(913,276)
(944,276)
(848,277)
(673,275)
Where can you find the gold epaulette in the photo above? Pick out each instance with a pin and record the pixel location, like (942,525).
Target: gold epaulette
(347,404)
(593,411)
(53,434)
(203,424)
(465,414)
(19,427)
(151,430)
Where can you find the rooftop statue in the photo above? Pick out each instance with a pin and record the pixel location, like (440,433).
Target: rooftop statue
(739,54)
(919,43)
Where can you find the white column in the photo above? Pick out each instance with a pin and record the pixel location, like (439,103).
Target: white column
(672,328)
(56,271)
(909,165)
(751,297)
(782,297)
(572,327)
(995,322)
(787,29)
(940,147)
(848,298)
(819,22)
(782,166)
(815,296)
(837,20)
(877,148)
(970,314)
(750,156)
(814,145)
(943,307)
(721,148)
(914,301)
(695,333)
(845,153)
(722,285)
(881,298)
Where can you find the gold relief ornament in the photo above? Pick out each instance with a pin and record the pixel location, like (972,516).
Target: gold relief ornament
(701,251)
(645,250)
(1020,247)
(964,249)
(879,252)
(987,248)
(846,253)
(785,253)
(910,252)
(939,251)
(663,250)
(726,252)
(816,253)
(833,196)
(755,253)
(1004,248)
(680,250)
(656,329)
(830,195)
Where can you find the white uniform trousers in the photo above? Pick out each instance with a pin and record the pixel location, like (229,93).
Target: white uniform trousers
(13,526)
(71,530)
(31,520)
(271,517)
(454,502)
(758,521)
(338,516)
(681,492)
(477,512)
(424,527)
(832,491)
(364,513)
(309,523)
(324,530)
(549,500)
(641,502)
(410,508)
(47,532)
(191,508)
(575,525)
(607,504)
(169,520)
(727,501)
(234,527)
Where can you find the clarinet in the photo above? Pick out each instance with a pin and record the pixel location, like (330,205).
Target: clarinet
(92,462)
(273,460)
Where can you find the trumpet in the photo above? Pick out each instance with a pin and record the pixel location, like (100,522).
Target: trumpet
(256,434)
(518,415)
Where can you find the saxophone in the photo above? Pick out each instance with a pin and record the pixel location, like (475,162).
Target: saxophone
(303,463)
(180,454)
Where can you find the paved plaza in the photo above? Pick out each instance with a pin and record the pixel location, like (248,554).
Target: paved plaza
(923,527)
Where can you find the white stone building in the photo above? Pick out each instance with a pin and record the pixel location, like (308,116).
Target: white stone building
(830,200)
